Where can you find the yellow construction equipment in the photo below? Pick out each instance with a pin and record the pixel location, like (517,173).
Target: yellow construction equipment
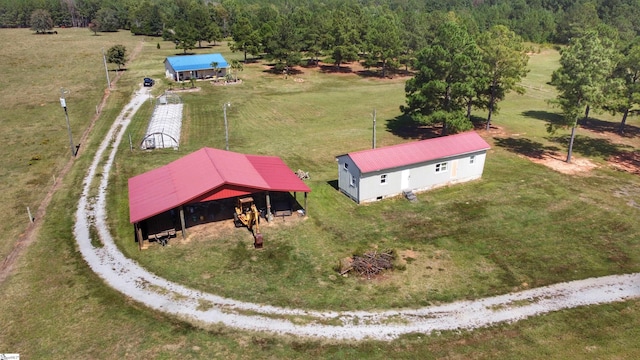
(246,214)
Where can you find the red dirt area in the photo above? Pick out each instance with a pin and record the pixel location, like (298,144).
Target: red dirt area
(345,69)
(626,161)
(558,162)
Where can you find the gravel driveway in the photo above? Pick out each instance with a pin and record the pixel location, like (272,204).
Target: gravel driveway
(200,308)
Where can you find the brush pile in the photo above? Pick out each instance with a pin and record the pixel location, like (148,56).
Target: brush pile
(371,263)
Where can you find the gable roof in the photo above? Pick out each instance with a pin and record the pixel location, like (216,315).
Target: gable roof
(207,174)
(417,152)
(196,62)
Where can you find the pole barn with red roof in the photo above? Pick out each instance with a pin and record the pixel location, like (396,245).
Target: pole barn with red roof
(203,176)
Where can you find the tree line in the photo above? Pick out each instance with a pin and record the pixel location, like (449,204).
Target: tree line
(464,54)
(553,21)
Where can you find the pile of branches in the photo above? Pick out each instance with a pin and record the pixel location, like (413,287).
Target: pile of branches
(372,263)
(303,175)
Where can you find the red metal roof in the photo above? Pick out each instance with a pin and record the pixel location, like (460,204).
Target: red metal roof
(207,174)
(390,157)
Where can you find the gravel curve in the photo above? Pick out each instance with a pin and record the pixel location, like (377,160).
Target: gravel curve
(200,308)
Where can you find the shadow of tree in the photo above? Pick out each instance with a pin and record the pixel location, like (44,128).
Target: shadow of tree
(407,128)
(525,147)
(601,126)
(628,161)
(478,122)
(365,73)
(591,147)
(595,125)
(273,70)
(335,69)
(550,117)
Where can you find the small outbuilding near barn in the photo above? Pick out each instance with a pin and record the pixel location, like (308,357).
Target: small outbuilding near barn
(375,174)
(186,67)
(197,184)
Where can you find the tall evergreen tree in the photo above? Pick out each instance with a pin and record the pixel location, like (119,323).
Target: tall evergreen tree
(439,92)
(284,44)
(382,42)
(245,37)
(344,38)
(504,55)
(585,67)
(626,96)
(185,36)
(146,19)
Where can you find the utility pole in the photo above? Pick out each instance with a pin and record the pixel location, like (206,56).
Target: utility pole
(104,59)
(374,130)
(63,103)
(226,125)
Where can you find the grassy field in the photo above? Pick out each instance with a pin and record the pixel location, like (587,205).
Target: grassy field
(466,241)
(522,225)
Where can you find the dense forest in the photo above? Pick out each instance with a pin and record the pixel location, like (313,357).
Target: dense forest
(464,54)
(539,21)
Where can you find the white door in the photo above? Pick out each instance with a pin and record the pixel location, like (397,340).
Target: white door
(404,179)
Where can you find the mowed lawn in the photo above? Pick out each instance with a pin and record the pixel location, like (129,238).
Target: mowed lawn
(522,225)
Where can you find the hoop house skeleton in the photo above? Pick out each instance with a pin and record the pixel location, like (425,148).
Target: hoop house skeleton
(165,124)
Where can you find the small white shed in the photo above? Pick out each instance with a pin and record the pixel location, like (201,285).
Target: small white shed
(375,174)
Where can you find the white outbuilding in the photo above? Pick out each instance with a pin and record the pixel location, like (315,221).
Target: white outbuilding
(375,174)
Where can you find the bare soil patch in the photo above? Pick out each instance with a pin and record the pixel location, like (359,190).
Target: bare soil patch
(557,162)
(345,69)
(213,230)
(626,161)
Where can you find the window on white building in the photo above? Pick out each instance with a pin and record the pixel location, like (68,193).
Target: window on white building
(383,179)
(472,159)
(352,180)
(441,167)
(346,166)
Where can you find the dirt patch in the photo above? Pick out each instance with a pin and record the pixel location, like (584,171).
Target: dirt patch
(627,161)
(354,68)
(213,230)
(408,254)
(557,162)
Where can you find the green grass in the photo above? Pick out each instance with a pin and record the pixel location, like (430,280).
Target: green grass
(511,230)
(521,223)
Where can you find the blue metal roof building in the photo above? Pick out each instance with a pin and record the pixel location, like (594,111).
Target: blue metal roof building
(195,66)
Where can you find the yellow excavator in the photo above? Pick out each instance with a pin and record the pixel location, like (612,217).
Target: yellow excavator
(246,214)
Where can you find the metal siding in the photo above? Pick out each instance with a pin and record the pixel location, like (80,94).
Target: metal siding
(344,180)
(371,188)
(423,177)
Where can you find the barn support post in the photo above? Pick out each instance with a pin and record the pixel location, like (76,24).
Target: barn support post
(182,223)
(136,226)
(306,211)
(269,214)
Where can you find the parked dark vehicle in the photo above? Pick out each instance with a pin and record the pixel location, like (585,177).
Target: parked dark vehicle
(149,82)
